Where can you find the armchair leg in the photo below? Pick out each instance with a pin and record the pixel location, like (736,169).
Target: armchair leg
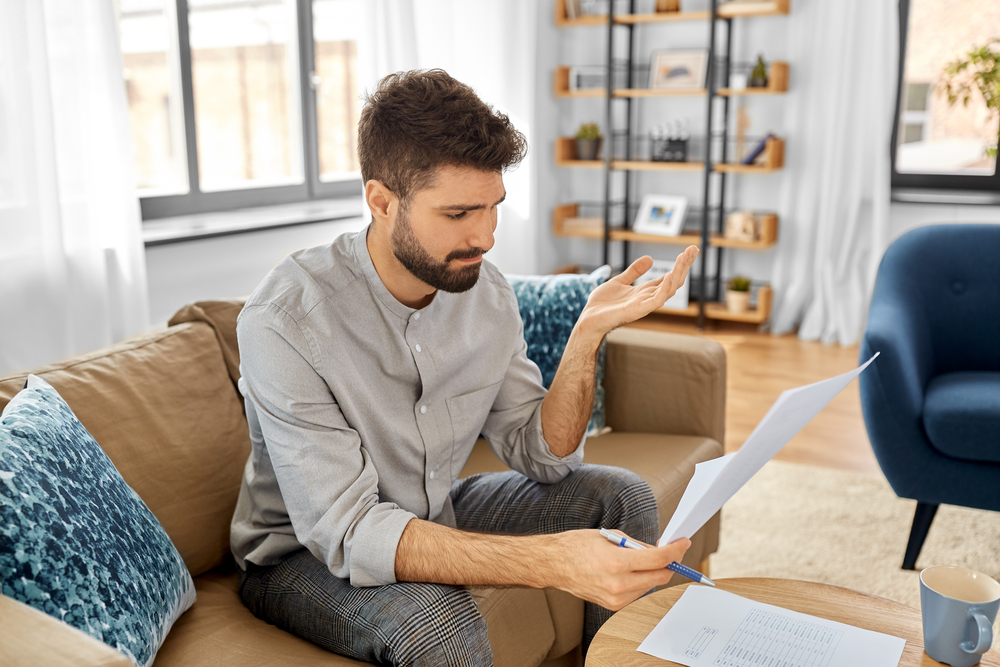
(922,519)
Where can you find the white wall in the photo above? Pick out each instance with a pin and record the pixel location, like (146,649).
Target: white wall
(226,266)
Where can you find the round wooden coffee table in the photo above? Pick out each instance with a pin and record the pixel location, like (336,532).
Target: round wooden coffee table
(616,642)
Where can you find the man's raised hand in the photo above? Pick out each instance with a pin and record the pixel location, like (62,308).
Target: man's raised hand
(617,302)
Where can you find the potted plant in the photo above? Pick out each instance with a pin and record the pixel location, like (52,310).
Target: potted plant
(758,77)
(738,294)
(588,142)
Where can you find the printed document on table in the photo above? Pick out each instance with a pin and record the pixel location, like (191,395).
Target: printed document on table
(708,627)
(716,481)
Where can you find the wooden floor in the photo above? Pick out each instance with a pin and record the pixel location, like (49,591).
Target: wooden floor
(761,366)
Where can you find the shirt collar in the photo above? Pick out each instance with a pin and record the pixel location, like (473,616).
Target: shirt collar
(364,261)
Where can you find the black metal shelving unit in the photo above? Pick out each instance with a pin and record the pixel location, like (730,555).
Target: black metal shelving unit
(706,284)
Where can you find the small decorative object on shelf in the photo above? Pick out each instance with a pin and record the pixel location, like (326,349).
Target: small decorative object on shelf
(588,142)
(587,77)
(741,226)
(738,294)
(758,77)
(660,214)
(667,6)
(668,142)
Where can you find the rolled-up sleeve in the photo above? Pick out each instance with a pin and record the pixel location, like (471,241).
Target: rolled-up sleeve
(514,425)
(327,479)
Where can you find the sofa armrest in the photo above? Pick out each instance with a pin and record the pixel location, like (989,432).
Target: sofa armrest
(657,382)
(31,638)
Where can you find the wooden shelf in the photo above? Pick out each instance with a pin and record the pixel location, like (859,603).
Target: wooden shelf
(774,160)
(662,17)
(717,311)
(561,88)
(777,83)
(592,228)
(566,155)
(563,22)
(560,85)
(731,10)
(727,10)
(650,165)
(656,92)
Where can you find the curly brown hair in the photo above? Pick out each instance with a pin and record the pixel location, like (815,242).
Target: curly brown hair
(416,121)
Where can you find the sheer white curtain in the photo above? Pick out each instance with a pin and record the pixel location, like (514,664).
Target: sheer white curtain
(72,266)
(491,47)
(844,56)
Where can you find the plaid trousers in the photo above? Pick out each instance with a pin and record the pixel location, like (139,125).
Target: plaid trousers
(435,624)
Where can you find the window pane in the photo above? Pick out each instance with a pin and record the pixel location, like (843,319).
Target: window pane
(954,138)
(335,82)
(916,96)
(244,60)
(148,31)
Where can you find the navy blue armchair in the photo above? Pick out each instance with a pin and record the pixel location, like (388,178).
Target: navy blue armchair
(931,401)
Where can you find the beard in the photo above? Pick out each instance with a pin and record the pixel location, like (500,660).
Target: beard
(439,275)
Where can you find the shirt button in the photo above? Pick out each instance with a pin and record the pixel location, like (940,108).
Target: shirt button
(416,316)
(418,348)
(423,409)
(431,475)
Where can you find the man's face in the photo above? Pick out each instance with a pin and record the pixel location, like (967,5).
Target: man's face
(442,232)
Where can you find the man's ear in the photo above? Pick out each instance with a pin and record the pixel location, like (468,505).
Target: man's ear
(381,201)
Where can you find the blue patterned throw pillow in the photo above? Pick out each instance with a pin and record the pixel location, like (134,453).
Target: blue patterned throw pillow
(550,306)
(76,542)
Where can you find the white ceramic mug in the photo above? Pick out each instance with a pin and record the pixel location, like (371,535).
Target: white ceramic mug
(958,607)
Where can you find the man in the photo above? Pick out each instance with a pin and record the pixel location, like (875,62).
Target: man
(369,369)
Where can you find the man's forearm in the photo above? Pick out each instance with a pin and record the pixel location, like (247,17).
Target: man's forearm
(580,562)
(567,406)
(434,553)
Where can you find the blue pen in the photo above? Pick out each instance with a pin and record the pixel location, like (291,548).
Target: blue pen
(683,570)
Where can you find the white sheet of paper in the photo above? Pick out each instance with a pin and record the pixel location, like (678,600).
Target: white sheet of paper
(716,481)
(709,627)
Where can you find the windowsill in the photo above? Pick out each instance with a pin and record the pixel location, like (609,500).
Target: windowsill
(207,225)
(953,197)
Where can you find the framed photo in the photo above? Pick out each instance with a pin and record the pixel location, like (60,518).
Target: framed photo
(679,70)
(662,267)
(660,214)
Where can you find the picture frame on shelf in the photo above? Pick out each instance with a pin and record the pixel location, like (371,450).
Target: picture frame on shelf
(660,214)
(675,69)
(660,268)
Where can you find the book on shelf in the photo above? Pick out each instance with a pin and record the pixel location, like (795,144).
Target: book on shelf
(757,150)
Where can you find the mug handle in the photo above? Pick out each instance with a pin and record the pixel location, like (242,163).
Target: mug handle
(985,632)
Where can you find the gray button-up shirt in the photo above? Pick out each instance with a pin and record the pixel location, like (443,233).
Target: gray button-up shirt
(363,411)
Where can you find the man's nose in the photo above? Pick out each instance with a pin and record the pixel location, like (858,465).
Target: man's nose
(481,235)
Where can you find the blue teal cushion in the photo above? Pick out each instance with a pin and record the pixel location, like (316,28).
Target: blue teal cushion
(77,542)
(962,415)
(550,306)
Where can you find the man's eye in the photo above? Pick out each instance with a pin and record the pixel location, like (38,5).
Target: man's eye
(457,216)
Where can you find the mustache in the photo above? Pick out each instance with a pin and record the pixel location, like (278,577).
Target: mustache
(471,253)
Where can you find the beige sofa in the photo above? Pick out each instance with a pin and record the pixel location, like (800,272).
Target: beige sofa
(165,408)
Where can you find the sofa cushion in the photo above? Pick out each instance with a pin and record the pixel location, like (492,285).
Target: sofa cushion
(79,544)
(163,408)
(962,415)
(550,306)
(220,631)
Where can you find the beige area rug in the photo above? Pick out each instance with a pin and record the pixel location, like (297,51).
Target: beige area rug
(797,521)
